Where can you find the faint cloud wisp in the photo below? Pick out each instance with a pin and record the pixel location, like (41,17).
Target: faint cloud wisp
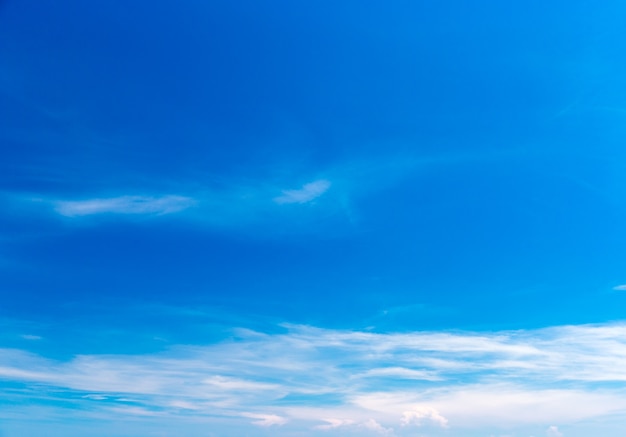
(266,420)
(307,193)
(124,205)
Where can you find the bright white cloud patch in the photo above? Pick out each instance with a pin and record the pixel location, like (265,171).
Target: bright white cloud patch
(620,287)
(309,378)
(553,431)
(422,414)
(124,205)
(307,193)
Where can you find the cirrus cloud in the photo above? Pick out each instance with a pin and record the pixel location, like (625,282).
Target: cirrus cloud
(124,205)
(307,193)
(312,378)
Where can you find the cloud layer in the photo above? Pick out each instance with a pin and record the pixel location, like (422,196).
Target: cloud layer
(329,380)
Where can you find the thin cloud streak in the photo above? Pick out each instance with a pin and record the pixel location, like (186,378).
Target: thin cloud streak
(124,205)
(265,420)
(334,423)
(238,205)
(229,207)
(307,193)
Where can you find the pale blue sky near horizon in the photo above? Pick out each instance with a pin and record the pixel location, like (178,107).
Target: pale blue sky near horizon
(324,218)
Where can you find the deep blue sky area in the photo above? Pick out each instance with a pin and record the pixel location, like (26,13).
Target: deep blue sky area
(232,181)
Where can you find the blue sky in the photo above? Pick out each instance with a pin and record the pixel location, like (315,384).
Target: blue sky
(312,219)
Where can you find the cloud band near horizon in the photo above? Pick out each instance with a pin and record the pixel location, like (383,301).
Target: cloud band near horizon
(327,380)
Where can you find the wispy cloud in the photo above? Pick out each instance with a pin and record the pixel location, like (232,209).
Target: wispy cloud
(232,206)
(334,423)
(124,205)
(307,193)
(620,287)
(266,419)
(373,425)
(402,373)
(242,203)
(313,378)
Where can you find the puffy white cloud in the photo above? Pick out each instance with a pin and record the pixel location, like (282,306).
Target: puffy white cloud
(421,414)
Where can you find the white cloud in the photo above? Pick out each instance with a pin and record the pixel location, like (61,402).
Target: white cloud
(553,431)
(373,425)
(307,193)
(184,405)
(238,203)
(402,373)
(230,207)
(124,205)
(133,411)
(95,397)
(266,420)
(522,404)
(334,423)
(620,287)
(236,384)
(350,378)
(420,414)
